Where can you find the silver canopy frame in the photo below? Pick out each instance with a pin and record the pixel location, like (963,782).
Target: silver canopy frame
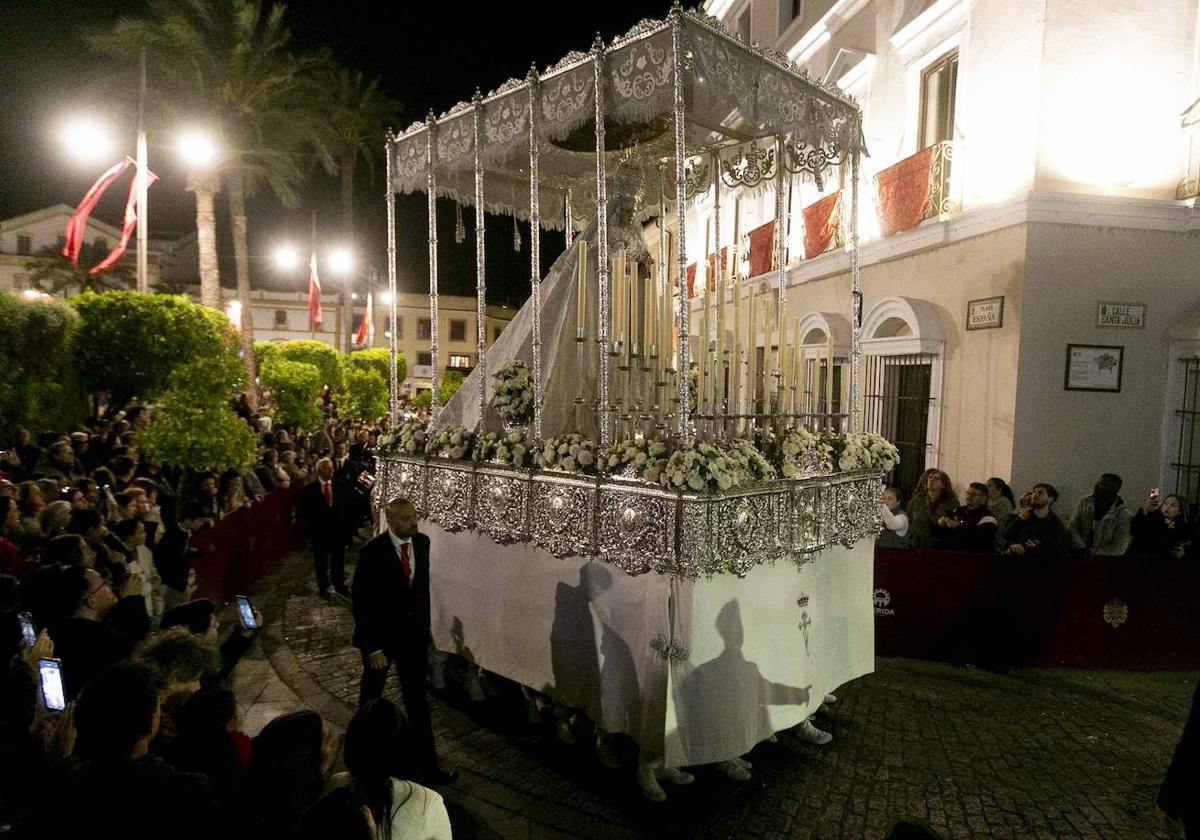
(672,89)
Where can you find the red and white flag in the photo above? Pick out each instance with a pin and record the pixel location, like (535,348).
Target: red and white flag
(127,226)
(314,295)
(366,327)
(77,224)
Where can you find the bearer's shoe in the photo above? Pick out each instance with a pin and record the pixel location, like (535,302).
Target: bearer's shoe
(810,734)
(734,769)
(673,775)
(651,790)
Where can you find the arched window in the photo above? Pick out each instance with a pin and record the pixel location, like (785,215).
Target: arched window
(903,341)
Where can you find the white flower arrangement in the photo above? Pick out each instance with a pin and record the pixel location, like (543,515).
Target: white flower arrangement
(513,398)
(719,466)
(453,443)
(802,452)
(503,448)
(864,451)
(569,453)
(640,457)
(408,438)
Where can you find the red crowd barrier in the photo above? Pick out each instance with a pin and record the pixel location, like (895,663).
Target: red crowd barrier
(246,544)
(1138,613)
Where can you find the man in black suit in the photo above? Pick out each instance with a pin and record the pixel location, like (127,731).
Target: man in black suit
(391,624)
(323,504)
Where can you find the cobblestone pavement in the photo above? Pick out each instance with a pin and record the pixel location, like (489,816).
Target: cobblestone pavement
(1033,754)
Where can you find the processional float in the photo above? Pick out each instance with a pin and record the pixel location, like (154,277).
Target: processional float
(643,519)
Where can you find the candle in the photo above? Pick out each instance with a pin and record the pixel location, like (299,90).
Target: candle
(650,314)
(752,353)
(702,348)
(618,299)
(802,385)
(631,295)
(829,375)
(581,291)
(736,361)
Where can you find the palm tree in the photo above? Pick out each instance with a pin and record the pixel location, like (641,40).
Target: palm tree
(359,113)
(229,61)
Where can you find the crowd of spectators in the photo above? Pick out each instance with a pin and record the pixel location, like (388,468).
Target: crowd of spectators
(990,520)
(96,573)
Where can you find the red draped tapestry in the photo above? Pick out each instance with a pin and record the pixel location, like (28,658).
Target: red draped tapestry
(822,221)
(691,280)
(903,191)
(762,249)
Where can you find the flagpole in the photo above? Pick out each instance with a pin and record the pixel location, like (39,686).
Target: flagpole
(143,223)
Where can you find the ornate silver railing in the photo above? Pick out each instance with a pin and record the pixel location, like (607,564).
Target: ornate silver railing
(636,526)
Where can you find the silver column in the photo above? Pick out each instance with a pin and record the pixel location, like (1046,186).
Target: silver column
(431,189)
(480,277)
(603,329)
(535,257)
(393,385)
(682,419)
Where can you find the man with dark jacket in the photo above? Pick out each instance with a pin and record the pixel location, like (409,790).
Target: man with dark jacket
(1035,530)
(172,555)
(324,507)
(97,629)
(970,527)
(119,789)
(391,624)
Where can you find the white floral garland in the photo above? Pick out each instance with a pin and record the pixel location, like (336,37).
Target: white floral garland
(503,448)
(802,451)
(453,442)
(864,451)
(720,466)
(513,398)
(643,457)
(569,453)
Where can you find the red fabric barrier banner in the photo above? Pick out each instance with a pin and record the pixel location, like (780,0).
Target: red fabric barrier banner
(762,249)
(246,544)
(822,221)
(903,192)
(1091,612)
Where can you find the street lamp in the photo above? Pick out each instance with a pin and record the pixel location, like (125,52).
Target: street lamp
(86,140)
(286,257)
(337,261)
(89,140)
(196,148)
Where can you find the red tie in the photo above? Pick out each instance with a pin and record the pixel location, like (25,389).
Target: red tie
(404,565)
(328,494)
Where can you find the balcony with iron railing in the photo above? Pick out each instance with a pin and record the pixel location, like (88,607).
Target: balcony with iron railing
(915,189)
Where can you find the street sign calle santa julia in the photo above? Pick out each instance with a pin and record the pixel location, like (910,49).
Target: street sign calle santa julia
(1121,315)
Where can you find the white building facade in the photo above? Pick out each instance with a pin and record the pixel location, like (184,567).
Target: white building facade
(1061,220)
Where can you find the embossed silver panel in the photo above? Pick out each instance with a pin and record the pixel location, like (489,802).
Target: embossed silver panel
(502,504)
(745,531)
(450,488)
(562,514)
(636,528)
(641,528)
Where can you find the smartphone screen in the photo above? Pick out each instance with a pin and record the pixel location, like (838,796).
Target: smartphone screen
(28,633)
(246,612)
(50,671)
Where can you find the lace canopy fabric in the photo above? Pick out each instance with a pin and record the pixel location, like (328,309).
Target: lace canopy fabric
(733,94)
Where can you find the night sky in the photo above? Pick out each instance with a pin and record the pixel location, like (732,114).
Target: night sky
(429,55)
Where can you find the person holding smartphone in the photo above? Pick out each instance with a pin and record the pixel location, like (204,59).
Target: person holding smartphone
(1160,527)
